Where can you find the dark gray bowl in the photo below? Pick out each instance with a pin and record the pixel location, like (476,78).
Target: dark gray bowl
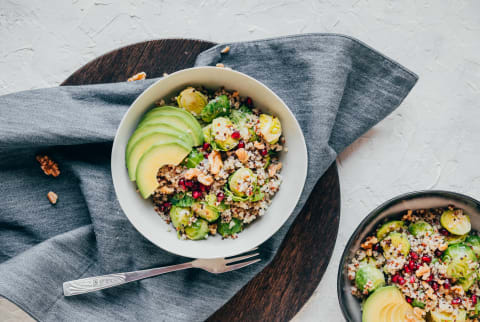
(390,210)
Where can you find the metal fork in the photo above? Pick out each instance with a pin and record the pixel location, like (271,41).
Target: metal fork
(214,265)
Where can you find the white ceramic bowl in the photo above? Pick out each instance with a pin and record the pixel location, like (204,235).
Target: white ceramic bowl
(140,212)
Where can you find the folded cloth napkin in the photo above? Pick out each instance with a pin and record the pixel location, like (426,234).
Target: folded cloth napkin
(337,87)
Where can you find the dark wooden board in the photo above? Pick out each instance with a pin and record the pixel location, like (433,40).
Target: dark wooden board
(283,287)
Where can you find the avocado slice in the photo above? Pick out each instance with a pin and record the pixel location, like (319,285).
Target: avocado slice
(155,158)
(140,133)
(143,145)
(381,304)
(176,117)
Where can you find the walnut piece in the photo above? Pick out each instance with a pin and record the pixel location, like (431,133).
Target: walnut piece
(204,179)
(369,242)
(139,76)
(274,168)
(166,190)
(443,247)
(49,167)
(52,197)
(423,271)
(225,50)
(408,216)
(215,161)
(258,145)
(242,155)
(212,228)
(192,173)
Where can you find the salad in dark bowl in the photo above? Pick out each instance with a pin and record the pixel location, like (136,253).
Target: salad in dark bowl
(414,258)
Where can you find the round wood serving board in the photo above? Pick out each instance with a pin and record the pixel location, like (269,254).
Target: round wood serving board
(283,287)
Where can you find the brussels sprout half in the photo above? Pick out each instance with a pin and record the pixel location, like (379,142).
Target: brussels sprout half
(180,216)
(219,106)
(474,242)
(455,239)
(420,228)
(270,128)
(243,182)
(220,133)
(456,222)
(458,258)
(369,278)
(231,228)
(205,211)
(192,100)
(395,244)
(198,230)
(396,225)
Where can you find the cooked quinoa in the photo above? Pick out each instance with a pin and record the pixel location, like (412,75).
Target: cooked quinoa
(419,255)
(208,183)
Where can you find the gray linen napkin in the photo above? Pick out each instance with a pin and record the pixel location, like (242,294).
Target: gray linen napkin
(336,86)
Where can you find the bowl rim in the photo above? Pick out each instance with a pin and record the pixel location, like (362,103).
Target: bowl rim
(371,215)
(303,147)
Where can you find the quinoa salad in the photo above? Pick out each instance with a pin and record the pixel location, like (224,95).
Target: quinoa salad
(423,267)
(214,158)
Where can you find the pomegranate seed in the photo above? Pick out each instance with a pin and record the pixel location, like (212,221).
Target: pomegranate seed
(438,253)
(196,186)
(435,286)
(206,146)
(446,285)
(264,152)
(167,205)
(401,280)
(426,259)
(457,301)
(249,102)
(412,265)
(188,183)
(444,232)
(181,183)
(376,247)
(395,278)
(161,208)
(203,188)
(236,135)
(407,269)
(196,194)
(409,299)
(206,155)
(220,196)
(241,144)
(429,279)
(414,256)
(474,299)
(412,279)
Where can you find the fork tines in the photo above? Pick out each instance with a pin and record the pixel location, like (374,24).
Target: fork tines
(234,263)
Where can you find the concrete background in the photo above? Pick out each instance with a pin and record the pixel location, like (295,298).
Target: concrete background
(430,142)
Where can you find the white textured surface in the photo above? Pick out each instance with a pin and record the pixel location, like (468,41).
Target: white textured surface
(431,141)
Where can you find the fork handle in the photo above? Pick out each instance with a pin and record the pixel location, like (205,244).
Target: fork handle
(91,284)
